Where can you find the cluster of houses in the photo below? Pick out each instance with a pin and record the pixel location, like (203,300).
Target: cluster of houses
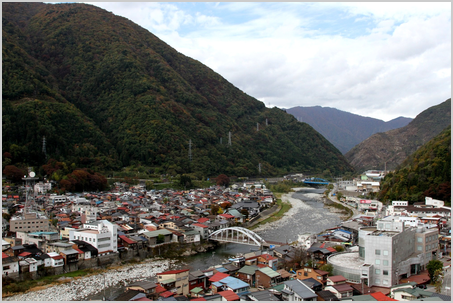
(68,232)
(65,230)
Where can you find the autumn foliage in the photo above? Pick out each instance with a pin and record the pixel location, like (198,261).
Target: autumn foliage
(223,180)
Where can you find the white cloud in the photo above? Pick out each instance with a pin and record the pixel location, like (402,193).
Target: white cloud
(302,54)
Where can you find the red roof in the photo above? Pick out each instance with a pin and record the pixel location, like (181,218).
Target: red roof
(127,240)
(24,254)
(267,257)
(166,294)
(79,251)
(57,257)
(338,278)
(202,220)
(4,255)
(229,295)
(227,216)
(198,299)
(218,276)
(331,249)
(199,225)
(381,297)
(172,272)
(142,299)
(160,289)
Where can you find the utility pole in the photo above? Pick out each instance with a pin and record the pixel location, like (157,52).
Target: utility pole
(229,138)
(257,126)
(266,122)
(259,168)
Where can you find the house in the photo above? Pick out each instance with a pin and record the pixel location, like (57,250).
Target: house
(148,288)
(266,277)
(268,260)
(10,265)
(308,272)
(230,283)
(313,284)
(296,290)
(71,256)
(198,279)
(325,295)
(263,295)
(335,280)
(228,295)
(202,229)
(247,274)
(166,236)
(341,290)
(56,260)
(176,281)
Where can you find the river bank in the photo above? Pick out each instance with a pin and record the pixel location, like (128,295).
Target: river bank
(77,289)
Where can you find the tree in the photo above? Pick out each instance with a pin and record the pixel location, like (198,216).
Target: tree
(339,248)
(185,181)
(13,173)
(160,239)
(439,274)
(225,205)
(432,266)
(215,209)
(328,268)
(245,212)
(223,180)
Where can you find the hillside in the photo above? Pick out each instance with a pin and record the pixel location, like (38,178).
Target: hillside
(425,173)
(344,130)
(107,94)
(394,146)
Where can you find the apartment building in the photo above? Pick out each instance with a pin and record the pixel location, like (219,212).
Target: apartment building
(100,234)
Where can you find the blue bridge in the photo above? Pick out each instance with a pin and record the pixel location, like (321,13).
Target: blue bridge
(316,181)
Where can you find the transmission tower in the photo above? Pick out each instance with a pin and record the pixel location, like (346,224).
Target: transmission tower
(190,150)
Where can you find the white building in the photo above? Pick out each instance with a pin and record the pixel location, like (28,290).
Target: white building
(387,252)
(42,187)
(101,234)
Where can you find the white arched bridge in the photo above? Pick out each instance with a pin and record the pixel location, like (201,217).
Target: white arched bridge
(240,235)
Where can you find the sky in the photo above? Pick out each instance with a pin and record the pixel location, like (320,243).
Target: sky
(382,60)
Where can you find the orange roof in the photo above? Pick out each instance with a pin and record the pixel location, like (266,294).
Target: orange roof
(166,294)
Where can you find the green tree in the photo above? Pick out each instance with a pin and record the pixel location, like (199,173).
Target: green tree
(432,266)
(328,268)
(439,274)
(339,248)
(185,181)
(160,239)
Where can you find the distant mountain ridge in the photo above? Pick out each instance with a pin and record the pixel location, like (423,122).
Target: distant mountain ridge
(343,129)
(391,148)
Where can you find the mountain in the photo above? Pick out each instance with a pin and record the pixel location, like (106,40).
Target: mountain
(394,146)
(106,93)
(344,130)
(425,173)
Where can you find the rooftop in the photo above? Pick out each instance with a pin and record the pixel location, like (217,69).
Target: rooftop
(350,260)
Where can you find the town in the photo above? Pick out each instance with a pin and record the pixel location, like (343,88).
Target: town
(380,253)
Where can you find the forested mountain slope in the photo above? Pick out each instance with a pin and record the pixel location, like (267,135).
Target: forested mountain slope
(425,173)
(391,148)
(344,130)
(107,93)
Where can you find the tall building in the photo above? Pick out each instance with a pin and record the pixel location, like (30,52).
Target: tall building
(387,253)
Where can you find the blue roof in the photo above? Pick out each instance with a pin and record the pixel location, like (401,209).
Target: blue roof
(234,283)
(348,232)
(222,269)
(217,284)
(99,202)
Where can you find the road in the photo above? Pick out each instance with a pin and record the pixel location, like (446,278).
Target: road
(355,212)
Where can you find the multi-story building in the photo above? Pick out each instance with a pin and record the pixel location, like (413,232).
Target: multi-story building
(101,234)
(176,281)
(30,222)
(387,252)
(42,187)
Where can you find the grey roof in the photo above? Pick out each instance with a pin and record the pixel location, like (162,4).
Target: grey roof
(248,269)
(263,295)
(301,289)
(443,297)
(327,295)
(144,284)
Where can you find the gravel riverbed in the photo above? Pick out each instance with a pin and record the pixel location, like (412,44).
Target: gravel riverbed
(78,289)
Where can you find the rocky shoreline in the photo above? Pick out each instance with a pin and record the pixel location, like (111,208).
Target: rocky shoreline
(77,289)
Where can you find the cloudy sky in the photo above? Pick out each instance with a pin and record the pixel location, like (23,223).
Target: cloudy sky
(381,60)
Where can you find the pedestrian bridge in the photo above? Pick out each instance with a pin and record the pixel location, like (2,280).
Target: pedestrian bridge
(240,235)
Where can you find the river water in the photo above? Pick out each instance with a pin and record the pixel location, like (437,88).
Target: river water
(307,216)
